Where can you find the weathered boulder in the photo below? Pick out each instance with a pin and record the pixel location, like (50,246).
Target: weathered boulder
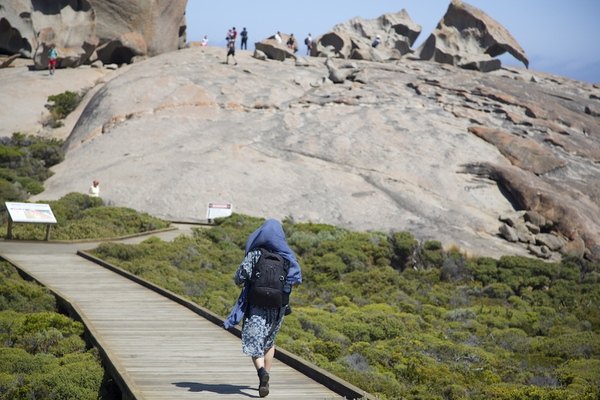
(353,38)
(536,219)
(336,75)
(259,55)
(123,29)
(527,191)
(540,251)
(161,23)
(553,242)
(29,27)
(469,38)
(5,62)
(509,233)
(524,233)
(274,50)
(333,44)
(122,50)
(17,34)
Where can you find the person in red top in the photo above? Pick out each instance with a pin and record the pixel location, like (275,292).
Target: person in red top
(52,56)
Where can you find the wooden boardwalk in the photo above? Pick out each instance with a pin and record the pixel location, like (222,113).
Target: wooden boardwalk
(159,349)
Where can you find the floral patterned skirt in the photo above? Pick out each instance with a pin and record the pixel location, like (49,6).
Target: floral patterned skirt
(259,330)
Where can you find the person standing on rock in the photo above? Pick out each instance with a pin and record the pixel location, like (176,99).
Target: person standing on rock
(291,43)
(308,42)
(262,317)
(233,35)
(52,57)
(244,37)
(231,50)
(94,190)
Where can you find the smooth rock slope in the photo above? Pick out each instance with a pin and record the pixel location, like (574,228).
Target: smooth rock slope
(394,147)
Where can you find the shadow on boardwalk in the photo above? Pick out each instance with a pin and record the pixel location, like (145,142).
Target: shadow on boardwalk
(197,387)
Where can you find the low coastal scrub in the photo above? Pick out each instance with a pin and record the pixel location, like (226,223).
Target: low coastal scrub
(80,216)
(403,319)
(25,163)
(61,105)
(42,352)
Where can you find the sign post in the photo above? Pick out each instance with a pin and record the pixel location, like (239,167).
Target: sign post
(30,213)
(218,210)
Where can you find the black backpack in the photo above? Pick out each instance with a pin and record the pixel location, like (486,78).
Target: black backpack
(267,280)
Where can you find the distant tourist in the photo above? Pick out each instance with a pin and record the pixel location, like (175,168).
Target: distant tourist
(244,37)
(231,50)
(278,37)
(52,57)
(204,41)
(234,34)
(291,43)
(377,41)
(263,315)
(94,190)
(308,41)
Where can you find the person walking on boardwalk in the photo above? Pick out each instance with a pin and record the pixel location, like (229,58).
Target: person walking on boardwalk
(262,304)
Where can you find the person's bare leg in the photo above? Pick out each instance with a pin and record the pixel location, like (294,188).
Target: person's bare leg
(263,374)
(259,362)
(268,360)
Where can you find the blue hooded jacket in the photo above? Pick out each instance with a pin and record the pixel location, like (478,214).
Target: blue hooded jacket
(270,236)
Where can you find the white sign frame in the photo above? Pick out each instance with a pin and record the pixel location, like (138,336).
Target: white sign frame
(218,210)
(32,213)
(29,213)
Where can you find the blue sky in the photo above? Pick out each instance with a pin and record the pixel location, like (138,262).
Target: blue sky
(559,36)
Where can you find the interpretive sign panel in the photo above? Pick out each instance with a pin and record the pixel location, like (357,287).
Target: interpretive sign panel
(218,210)
(31,213)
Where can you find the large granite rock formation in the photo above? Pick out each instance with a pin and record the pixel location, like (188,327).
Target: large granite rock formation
(469,38)
(442,152)
(407,145)
(112,31)
(353,38)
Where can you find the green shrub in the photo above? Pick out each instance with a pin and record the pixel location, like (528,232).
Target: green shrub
(484,270)
(498,290)
(432,254)
(24,165)
(63,104)
(403,246)
(9,154)
(10,192)
(42,353)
